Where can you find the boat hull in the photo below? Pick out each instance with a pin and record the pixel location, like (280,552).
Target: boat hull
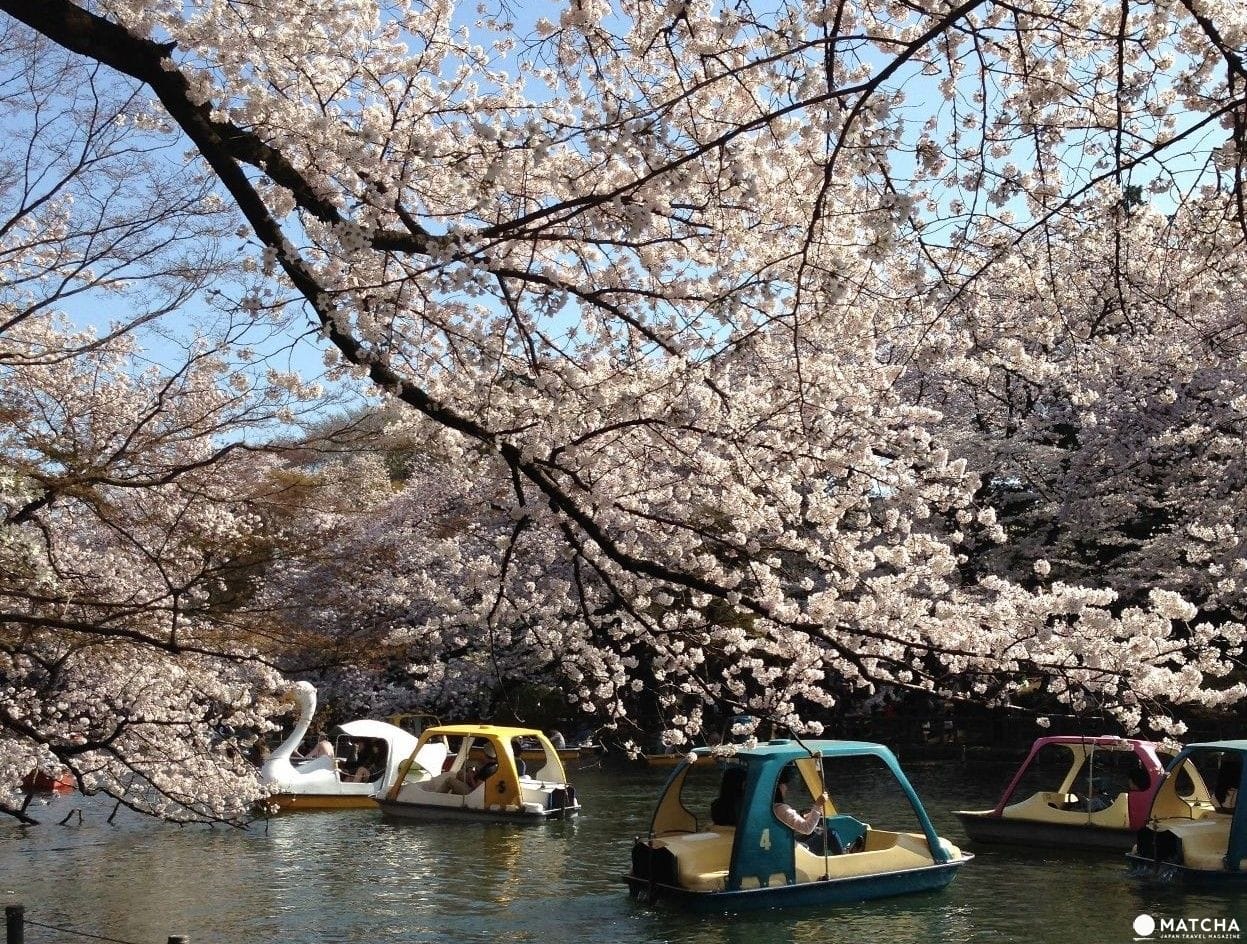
(983,827)
(1146,868)
(311,802)
(834,891)
(436,813)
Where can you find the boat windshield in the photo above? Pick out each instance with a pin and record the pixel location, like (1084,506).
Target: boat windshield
(701,796)
(362,759)
(1217,772)
(863,788)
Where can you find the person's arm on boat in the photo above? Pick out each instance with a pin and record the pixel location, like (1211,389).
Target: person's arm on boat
(801,824)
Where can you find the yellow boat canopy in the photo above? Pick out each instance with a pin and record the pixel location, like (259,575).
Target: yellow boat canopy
(483,731)
(506,741)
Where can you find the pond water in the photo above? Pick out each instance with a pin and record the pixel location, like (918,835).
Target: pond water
(354,876)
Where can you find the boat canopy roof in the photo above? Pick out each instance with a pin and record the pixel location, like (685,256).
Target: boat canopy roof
(1237,746)
(1099,740)
(481,730)
(502,737)
(366,728)
(784,749)
(1081,747)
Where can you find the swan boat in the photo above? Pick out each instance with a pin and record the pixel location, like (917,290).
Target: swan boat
(1192,837)
(741,856)
(1092,792)
(319,783)
(481,778)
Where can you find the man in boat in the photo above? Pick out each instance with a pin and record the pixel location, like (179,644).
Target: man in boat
(322,748)
(466,780)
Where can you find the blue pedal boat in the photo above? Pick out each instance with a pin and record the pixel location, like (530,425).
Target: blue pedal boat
(740,856)
(1191,836)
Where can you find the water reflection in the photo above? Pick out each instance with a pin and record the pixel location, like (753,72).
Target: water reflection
(826,925)
(353,876)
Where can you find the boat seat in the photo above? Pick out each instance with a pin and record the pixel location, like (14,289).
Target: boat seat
(434,784)
(1204,841)
(884,852)
(848,829)
(427,797)
(1050,807)
(1168,805)
(702,859)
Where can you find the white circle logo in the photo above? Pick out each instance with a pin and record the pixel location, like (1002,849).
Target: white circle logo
(1144,925)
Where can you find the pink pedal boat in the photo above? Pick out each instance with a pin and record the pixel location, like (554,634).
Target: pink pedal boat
(1078,792)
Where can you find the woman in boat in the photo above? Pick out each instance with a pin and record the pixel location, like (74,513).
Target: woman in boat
(804,825)
(369,767)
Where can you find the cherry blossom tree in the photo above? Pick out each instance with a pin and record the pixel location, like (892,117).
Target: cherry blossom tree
(1112,439)
(92,207)
(131,540)
(675,274)
(134,514)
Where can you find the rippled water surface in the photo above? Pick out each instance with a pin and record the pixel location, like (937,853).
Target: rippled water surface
(354,876)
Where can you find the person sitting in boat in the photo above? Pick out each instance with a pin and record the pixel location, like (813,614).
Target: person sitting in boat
(725,808)
(322,748)
(1229,774)
(369,766)
(466,780)
(518,746)
(804,825)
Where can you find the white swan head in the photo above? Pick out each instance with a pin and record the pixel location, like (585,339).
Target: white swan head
(304,695)
(278,768)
